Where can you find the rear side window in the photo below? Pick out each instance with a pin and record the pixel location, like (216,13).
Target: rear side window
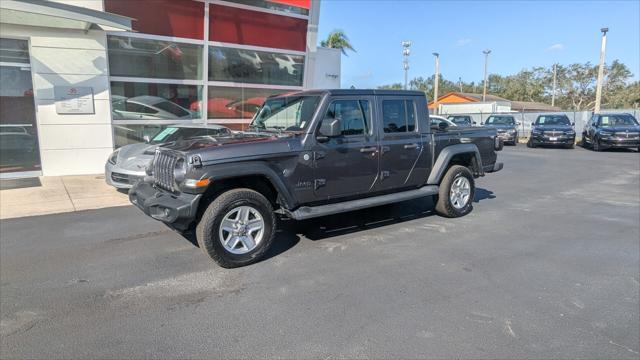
(353,115)
(398,116)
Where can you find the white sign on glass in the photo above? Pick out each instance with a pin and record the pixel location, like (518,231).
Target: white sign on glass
(74,99)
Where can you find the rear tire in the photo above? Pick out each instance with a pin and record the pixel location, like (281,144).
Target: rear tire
(228,207)
(450,203)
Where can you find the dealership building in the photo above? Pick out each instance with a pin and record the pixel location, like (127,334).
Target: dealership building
(81,78)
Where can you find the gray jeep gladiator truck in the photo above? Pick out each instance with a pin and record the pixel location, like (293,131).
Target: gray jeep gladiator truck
(309,154)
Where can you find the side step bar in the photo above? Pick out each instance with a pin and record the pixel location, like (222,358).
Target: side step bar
(308,212)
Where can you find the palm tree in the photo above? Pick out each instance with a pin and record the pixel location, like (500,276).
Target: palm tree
(338,40)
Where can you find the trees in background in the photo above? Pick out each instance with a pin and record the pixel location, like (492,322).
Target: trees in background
(575,90)
(337,39)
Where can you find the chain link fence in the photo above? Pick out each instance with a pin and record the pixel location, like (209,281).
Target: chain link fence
(579,118)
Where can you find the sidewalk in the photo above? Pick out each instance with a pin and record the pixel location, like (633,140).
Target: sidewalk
(60,194)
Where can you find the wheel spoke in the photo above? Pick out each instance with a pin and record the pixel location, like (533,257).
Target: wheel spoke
(232,243)
(227,225)
(244,214)
(248,242)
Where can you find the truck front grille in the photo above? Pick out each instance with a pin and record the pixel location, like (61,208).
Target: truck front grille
(163,166)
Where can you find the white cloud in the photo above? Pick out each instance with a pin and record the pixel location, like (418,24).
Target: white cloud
(556,47)
(463,42)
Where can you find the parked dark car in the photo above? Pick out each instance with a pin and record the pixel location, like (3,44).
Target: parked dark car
(506,126)
(310,154)
(605,131)
(461,120)
(554,130)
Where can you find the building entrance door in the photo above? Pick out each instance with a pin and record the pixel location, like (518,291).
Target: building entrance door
(19,146)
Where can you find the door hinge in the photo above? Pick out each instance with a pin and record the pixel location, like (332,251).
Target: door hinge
(319,155)
(318,183)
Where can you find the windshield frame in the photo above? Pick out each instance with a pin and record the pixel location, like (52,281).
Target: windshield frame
(297,98)
(537,122)
(513,119)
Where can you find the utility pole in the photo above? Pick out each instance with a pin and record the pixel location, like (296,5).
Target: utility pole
(486,62)
(406,51)
(553,94)
(603,49)
(436,81)
(460,83)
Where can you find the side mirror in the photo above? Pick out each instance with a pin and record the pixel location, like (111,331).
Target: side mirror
(146,139)
(573,124)
(532,124)
(329,128)
(473,122)
(442,126)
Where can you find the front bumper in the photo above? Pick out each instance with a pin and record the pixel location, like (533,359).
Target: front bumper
(121,178)
(612,142)
(507,137)
(553,140)
(177,210)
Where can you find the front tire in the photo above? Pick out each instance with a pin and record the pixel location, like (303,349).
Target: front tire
(237,228)
(456,192)
(596,145)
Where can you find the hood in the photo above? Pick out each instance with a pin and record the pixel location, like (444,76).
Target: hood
(241,144)
(135,157)
(500,126)
(620,128)
(553,127)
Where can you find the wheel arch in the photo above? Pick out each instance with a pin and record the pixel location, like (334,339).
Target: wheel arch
(466,155)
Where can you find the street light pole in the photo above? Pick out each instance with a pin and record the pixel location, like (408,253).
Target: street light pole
(486,61)
(553,94)
(460,83)
(406,51)
(603,49)
(436,81)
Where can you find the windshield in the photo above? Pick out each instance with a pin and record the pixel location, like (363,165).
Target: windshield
(173,133)
(553,120)
(618,120)
(460,119)
(288,113)
(500,120)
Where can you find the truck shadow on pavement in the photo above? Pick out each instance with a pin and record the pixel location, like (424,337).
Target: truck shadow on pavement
(289,230)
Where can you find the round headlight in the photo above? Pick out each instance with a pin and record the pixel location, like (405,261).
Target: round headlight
(180,171)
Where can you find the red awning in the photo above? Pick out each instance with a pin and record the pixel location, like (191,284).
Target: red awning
(306,4)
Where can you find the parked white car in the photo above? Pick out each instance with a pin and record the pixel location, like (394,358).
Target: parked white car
(127,164)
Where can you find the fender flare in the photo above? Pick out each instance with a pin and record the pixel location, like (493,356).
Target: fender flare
(252,168)
(442,162)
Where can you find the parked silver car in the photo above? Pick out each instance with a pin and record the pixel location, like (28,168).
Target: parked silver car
(127,164)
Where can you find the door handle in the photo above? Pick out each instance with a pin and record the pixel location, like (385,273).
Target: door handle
(411,146)
(368,149)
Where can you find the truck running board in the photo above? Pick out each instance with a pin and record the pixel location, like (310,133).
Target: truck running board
(308,212)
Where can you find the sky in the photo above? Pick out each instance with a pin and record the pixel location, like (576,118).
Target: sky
(520,34)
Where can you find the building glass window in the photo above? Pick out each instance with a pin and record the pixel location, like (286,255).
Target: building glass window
(144,101)
(299,7)
(236,102)
(134,57)
(247,27)
(257,67)
(162,17)
(14,51)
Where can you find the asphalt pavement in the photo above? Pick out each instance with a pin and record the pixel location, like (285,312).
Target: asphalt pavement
(546,266)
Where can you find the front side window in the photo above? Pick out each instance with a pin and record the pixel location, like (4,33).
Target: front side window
(288,113)
(500,120)
(398,116)
(353,116)
(552,120)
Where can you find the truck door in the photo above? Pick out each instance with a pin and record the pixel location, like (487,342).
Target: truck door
(347,165)
(401,145)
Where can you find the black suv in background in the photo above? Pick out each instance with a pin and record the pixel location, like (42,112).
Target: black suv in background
(506,126)
(461,120)
(552,130)
(605,131)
